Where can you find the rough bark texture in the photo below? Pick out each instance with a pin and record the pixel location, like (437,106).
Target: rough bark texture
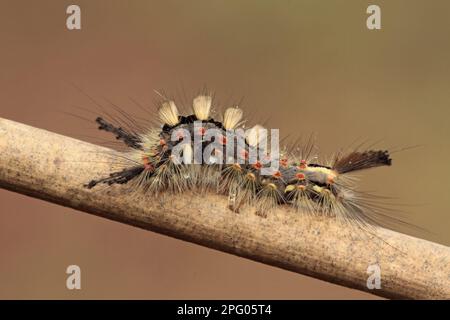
(52,167)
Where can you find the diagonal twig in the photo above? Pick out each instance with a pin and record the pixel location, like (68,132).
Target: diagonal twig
(54,168)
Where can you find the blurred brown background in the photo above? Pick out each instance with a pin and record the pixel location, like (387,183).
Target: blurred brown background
(307,66)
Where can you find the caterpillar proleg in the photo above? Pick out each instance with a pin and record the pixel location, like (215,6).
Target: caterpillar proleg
(199,152)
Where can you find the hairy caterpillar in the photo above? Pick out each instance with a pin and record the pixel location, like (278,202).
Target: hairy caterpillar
(163,160)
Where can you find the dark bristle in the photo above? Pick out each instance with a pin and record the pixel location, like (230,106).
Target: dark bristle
(362,160)
(119,177)
(189,120)
(128,138)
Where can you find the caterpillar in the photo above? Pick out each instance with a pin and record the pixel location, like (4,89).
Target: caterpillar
(199,152)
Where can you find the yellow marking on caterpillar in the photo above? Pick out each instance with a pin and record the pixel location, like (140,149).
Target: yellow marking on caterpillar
(251,176)
(321,174)
(317,189)
(271,186)
(289,188)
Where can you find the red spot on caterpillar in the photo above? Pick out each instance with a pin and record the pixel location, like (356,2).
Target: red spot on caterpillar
(277,174)
(202,131)
(223,140)
(300,176)
(302,165)
(244,154)
(257,165)
(331,178)
(147,165)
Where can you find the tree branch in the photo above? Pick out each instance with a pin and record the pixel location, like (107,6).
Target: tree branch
(54,168)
